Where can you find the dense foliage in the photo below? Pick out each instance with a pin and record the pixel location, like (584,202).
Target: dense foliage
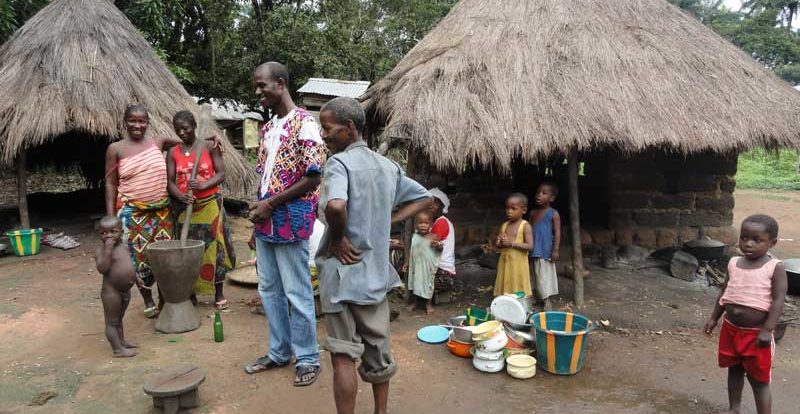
(213,45)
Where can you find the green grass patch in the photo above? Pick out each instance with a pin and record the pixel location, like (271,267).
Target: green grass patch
(763,169)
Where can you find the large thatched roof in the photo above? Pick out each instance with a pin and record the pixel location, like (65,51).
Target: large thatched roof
(73,68)
(498,79)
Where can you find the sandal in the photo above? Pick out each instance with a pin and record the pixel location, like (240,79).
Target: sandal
(305,375)
(151,312)
(263,364)
(222,305)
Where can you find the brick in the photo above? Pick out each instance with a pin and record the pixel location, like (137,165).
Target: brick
(645,237)
(701,218)
(624,236)
(697,183)
(683,201)
(625,181)
(621,219)
(660,219)
(716,203)
(602,237)
(727,184)
(667,238)
(726,234)
(687,233)
(586,238)
(630,200)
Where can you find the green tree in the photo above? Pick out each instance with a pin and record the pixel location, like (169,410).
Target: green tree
(14,13)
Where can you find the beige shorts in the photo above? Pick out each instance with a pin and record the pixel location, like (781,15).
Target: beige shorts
(362,332)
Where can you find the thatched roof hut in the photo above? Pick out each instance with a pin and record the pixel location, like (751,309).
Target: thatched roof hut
(67,76)
(504,79)
(653,104)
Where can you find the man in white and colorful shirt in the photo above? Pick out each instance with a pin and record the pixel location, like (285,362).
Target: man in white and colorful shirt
(290,167)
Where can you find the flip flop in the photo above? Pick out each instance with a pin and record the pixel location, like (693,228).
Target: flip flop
(222,305)
(310,372)
(151,312)
(263,364)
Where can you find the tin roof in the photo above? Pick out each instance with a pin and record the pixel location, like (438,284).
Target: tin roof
(334,87)
(229,110)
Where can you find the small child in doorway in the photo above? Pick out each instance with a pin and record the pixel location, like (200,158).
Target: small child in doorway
(113,260)
(423,262)
(752,301)
(515,241)
(546,241)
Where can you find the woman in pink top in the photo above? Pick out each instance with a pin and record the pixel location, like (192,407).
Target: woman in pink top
(752,300)
(136,192)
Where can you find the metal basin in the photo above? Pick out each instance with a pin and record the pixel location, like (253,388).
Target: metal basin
(792,267)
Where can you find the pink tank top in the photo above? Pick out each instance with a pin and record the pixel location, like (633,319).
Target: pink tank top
(143,176)
(749,287)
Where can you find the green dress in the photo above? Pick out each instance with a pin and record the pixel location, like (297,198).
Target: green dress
(422,266)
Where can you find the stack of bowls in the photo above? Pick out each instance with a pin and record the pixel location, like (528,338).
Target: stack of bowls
(460,340)
(488,354)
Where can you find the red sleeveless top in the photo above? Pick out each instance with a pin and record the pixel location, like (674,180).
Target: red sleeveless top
(183,170)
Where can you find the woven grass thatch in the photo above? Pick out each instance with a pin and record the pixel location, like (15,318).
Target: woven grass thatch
(73,68)
(503,79)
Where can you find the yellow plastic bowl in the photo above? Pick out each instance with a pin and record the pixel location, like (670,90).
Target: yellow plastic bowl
(486,330)
(521,366)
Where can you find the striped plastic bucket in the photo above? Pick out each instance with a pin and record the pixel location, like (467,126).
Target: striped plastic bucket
(560,340)
(25,242)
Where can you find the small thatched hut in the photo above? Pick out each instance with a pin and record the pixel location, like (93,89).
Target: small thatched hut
(67,76)
(649,106)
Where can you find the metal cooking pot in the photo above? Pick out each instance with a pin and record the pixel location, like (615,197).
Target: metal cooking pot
(792,267)
(705,249)
(523,338)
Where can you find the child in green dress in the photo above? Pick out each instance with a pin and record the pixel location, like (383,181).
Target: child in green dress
(423,261)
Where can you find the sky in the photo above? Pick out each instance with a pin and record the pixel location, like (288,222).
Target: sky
(733,4)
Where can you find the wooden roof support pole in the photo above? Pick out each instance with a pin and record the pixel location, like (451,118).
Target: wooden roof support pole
(412,169)
(575,228)
(22,191)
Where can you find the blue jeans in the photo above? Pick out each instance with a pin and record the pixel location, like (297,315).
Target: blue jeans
(283,274)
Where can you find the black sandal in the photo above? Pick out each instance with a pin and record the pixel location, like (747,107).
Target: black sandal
(263,364)
(305,375)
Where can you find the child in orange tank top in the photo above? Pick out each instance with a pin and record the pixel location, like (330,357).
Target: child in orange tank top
(752,301)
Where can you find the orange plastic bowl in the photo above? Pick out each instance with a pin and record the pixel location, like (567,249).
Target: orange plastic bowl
(459,349)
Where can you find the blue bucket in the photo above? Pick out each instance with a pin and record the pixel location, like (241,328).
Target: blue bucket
(560,340)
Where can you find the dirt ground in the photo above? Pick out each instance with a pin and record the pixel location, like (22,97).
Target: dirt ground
(651,359)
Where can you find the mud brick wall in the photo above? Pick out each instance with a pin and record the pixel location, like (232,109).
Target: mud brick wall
(658,200)
(477,201)
(653,199)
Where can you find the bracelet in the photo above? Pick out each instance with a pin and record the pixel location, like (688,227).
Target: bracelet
(269,205)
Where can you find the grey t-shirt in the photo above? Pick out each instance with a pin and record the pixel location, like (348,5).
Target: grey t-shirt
(373,186)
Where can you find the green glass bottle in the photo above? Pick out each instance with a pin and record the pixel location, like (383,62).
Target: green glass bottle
(218,335)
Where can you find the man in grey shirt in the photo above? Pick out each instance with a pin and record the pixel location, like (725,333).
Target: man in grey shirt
(360,191)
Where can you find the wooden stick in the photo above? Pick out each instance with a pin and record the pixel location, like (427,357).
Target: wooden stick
(575,227)
(22,191)
(198,148)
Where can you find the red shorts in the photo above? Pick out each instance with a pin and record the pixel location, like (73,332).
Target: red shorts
(738,346)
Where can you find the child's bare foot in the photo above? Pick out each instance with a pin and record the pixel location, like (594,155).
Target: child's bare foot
(429,309)
(128,344)
(125,353)
(410,307)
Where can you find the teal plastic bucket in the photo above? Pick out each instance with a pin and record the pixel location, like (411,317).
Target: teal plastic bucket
(25,242)
(560,340)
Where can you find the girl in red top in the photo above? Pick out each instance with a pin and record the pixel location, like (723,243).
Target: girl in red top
(208,221)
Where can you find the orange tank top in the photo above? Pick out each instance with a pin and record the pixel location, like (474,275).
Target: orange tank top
(183,170)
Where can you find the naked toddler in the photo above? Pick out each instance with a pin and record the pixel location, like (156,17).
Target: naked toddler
(114,262)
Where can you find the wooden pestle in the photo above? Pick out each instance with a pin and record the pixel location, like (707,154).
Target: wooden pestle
(198,148)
